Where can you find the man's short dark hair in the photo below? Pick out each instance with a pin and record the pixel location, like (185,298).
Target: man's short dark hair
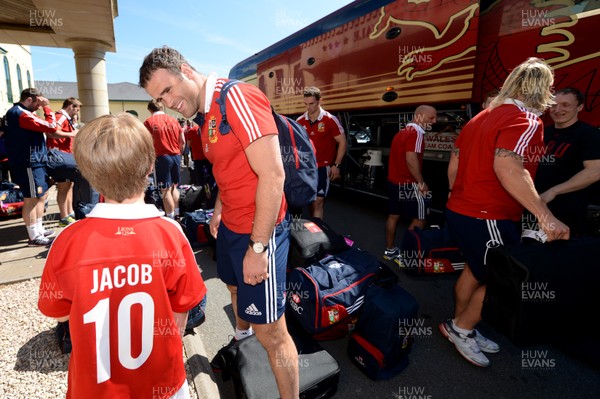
(163,57)
(574,91)
(312,92)
(155,106)
(29,92)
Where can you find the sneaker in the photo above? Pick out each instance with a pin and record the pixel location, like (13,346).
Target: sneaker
(465,344)
(40,241)
(485,344)
(219,362)
(64,222)
(48,233)
(391,255)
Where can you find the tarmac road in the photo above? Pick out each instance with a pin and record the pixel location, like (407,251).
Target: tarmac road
(436,370)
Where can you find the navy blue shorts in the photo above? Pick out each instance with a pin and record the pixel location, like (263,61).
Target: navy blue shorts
(166,170)
(406,200)
(32,181)
(323,184)
(265,302)
(474,237)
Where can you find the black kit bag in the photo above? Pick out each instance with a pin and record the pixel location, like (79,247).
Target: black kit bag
(430,251)
(195,224)
(247,363)
(536,291)
(191,198)
(382,339)
(310,240)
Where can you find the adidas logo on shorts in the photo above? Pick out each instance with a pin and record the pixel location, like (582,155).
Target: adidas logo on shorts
(253,310)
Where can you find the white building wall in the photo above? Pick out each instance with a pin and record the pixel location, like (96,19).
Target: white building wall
(15,55)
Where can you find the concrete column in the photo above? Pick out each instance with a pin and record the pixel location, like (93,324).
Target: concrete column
(90,66)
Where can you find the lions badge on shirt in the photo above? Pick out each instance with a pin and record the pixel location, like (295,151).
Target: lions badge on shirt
(321,127)
(212,129)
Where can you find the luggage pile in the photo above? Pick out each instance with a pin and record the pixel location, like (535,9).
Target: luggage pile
(334,291)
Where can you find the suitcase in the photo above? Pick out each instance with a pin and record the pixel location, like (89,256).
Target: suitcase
(310,240)
(249,367)
(430,251)
(191,198)
(536,291)
(326,297)
(382,339)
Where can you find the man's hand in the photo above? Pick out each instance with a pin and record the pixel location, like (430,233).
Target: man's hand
(334,173)
(215,221)
(42,101)
(255,267)
(554,228)
(548,195)
(423,189)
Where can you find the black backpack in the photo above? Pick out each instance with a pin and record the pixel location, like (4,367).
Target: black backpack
(297,154)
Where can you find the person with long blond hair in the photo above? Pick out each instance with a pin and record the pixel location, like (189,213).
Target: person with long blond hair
(491,173)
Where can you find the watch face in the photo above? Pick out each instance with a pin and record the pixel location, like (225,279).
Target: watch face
(258,247)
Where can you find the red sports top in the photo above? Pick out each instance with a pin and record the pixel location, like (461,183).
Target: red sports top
(166,133)
(477,192)
(322,133)
(63,120)
(119,274)
(249,115)
(409,139)
(193,137)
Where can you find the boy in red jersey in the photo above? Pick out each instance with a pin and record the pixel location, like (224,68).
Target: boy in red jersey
(125,277)
(491,173)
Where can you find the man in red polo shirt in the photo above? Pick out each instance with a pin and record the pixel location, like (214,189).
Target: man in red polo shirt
(64,196)
(168,144)
(408,193)
(329,139)
(248,222)
(491,173)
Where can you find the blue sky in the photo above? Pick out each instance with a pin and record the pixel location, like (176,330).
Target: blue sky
(211,37)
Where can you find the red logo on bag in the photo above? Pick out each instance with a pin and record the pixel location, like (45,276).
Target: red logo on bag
(313,228)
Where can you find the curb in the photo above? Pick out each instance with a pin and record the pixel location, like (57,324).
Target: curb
(203,377)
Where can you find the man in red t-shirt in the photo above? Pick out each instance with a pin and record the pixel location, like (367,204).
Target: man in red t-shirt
(64,196)
(248,221)
(408,193)
(124,277)
(491,173)
(168,138)
(326,133)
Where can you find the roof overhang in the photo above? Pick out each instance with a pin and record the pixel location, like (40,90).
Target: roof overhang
(58,23)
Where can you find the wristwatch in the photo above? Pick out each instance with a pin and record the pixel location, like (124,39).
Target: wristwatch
(337,165)
(258,247)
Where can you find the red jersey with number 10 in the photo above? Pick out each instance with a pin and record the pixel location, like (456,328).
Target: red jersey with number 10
(119,274)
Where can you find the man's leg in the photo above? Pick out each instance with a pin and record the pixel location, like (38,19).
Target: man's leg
(240,324)
(419,223)
(283,356)
(175,196)
(464,291)
(391,225)
(317,207)
(29,214)
(70,210)
(62,198)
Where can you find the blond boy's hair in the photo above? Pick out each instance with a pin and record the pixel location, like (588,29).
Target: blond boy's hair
(529,82)
(115,153)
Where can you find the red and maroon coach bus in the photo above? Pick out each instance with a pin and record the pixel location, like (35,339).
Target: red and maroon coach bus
(376,60)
